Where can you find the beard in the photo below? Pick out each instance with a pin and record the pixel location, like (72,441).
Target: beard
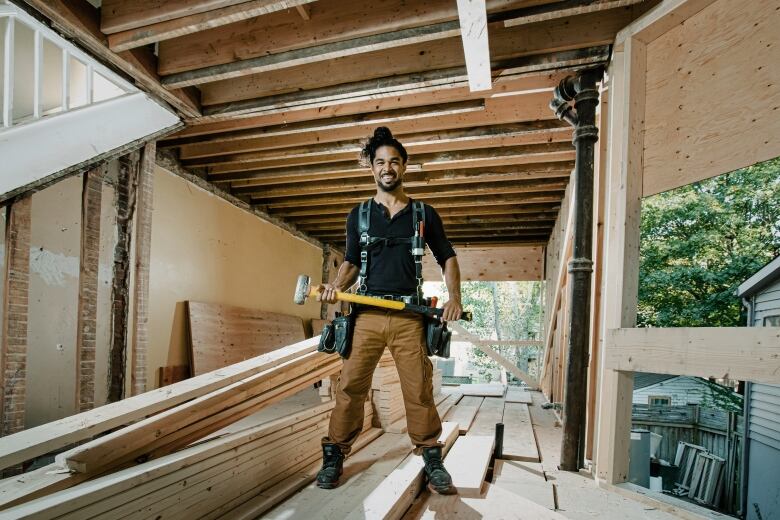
(389,187)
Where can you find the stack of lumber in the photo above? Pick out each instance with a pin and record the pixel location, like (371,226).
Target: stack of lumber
(437,376)
(166,420)
(222,335)
(386,393)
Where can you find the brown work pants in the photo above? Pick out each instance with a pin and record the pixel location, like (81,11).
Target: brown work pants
(403,334)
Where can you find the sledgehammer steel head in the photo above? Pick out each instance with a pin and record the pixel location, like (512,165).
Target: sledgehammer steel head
(302,289)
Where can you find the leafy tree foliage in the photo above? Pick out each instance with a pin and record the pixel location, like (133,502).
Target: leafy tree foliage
(700,242)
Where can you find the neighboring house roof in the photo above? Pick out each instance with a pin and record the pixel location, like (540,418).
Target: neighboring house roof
(766,275)
(645,379)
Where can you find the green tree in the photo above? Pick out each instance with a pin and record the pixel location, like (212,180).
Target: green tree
(701,241)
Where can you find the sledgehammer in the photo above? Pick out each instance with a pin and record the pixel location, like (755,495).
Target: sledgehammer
(304,290)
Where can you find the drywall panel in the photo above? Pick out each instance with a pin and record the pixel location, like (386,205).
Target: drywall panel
(713,94)
(53,302)
(205,249)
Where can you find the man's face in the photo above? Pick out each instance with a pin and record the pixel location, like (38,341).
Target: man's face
(388,168)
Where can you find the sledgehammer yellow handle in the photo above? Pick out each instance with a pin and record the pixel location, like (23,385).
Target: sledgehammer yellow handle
(365,300)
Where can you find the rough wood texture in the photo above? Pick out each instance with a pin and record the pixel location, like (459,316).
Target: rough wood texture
(519,439)
(483,390)
(494,264)
(58,434)
(695,65)
(515,394)
(740,353)
(221,335)
(13,356)
(463,413)
(86,328)
(468,462)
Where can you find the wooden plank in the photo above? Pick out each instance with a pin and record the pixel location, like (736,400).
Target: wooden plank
(497,502)
(222,335)
(519,438)
(117,15)
(468,462)
(172,374)
(527,479)
(624,189)
(393,496)
(169,426)
(552,11)
(490,413)
(464,412)
(183,25)
(336,20)
(474,34)
(515,394)
(58,434)
(743,353)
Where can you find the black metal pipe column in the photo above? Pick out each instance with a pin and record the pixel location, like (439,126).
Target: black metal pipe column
(581,89)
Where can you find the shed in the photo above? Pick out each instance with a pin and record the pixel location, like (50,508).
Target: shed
(761,295)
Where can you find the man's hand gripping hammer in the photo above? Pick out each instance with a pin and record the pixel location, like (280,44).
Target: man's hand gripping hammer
(304,290)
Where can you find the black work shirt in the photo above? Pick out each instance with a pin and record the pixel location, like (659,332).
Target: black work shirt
(391,267)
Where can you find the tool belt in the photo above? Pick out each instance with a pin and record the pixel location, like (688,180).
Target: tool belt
(337,335)
(412,299)
(437,337)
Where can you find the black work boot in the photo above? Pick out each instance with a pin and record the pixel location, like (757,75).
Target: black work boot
(332,466)
(439,481)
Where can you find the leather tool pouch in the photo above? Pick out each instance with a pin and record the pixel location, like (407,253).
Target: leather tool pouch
(437,338)
(337,335)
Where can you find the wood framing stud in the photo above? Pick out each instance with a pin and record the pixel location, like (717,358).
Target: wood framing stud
(143,242)
(13,363)
(125,207)
(88,285)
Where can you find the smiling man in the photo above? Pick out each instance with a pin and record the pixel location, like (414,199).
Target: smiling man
(384,256)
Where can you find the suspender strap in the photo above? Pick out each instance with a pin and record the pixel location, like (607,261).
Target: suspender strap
(364,221)
(367,242)
(418,243)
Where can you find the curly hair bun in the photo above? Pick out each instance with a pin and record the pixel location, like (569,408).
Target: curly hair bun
(382,133)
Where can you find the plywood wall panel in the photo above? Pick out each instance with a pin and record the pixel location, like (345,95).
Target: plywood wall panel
(713,94)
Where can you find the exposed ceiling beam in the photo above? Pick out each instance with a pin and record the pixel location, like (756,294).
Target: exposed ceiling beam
(486,206)
(517,215)
(241,97)
(304,11)
(541,226)
(424,142)
(473,193)
(336,20)
(542,13)
(474,35)
(528,154)
(121,15)
(78,20)
(193,23)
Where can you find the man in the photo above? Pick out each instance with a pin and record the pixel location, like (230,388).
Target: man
(390,272)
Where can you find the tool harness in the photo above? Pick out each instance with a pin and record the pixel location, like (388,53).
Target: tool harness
(368,242)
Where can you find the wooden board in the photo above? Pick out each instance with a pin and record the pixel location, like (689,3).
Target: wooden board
(463,413)
(497,503)
(526,479)
(515,394)
(519,439)
(468,462)
(490,413)
(172,374)
(221,335)
(488,390)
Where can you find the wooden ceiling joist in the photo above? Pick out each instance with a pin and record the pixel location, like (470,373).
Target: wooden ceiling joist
(120,15)
(501,213)
(420,143)
(552,11)
(193,23)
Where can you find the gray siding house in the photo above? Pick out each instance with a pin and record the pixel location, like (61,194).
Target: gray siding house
(761,295)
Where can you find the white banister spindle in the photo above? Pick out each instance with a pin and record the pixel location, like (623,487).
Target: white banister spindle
(38,75)
(8,83)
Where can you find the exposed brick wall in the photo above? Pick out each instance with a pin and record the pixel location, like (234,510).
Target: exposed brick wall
(88,286)
(125,207)
(143,241)
(16,293)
